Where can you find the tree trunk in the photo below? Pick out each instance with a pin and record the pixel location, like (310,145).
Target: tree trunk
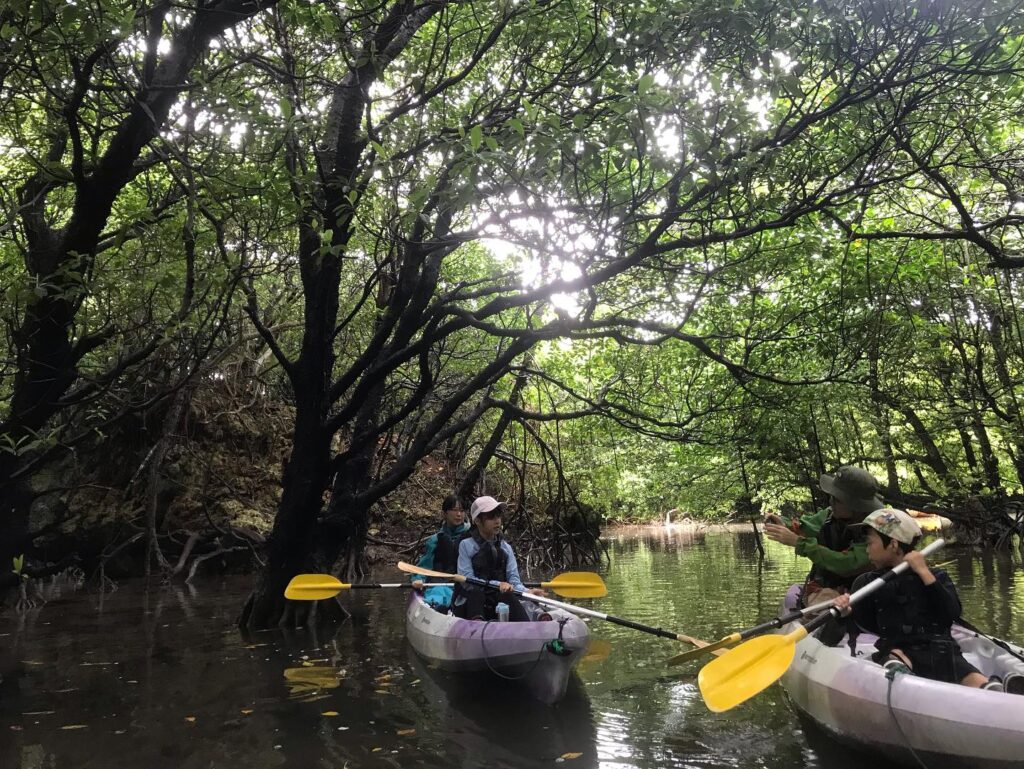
(291,541)
(14,522)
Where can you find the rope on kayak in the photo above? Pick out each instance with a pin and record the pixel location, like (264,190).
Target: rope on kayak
(487,657)
(891,674)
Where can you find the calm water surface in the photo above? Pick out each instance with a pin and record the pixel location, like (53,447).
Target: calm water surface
(133,680)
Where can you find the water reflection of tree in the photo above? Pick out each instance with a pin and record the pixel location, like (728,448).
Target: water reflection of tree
(488,722)
(988,582)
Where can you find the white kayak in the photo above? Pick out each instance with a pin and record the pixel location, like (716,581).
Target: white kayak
(539,655)
(946,725)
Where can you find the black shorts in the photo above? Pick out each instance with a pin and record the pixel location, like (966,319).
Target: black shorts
(939,660)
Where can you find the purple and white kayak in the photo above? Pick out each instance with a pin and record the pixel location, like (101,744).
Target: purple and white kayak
(521,651)
(946,725)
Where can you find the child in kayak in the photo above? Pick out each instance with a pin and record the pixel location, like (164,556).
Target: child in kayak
(442,553)
(912,615)
(486,555)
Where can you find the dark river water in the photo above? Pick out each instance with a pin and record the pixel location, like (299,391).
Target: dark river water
(137,680)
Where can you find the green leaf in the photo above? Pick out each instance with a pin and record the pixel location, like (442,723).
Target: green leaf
(476,137)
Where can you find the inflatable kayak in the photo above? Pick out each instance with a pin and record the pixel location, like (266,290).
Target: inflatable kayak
(540,655)
(906,718)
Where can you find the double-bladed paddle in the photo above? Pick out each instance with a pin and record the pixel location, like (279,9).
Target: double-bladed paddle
(718,647)
(756,664)
(316,587)
(409,568)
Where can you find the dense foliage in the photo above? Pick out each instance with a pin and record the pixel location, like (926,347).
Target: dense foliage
(646,255)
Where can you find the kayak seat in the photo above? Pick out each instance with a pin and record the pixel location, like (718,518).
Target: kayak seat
(1014,684)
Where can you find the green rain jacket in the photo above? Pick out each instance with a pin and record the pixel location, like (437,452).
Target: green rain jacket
(837,553)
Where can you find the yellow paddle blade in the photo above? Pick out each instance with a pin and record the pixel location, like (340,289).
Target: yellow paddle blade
(578,584)
(746,670)
(313,587)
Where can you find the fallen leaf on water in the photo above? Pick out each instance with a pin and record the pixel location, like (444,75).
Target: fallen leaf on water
(31,662)
(381,691)
(377,750)
(567,756)
(120,731)
(329,713)
(76,726)
(15,728)
(246,711)
(40,713)
(404,732)
(190,719)
(385,677)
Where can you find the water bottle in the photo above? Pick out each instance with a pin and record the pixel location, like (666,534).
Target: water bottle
(502,611)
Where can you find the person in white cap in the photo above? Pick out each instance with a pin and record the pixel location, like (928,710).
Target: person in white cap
(484,554)
(911,615)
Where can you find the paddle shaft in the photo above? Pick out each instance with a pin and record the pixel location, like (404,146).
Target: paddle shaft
(579,610)
(407,585)
(442,584)
(399,585)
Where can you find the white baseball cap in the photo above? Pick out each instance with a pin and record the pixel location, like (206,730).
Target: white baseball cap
(483,505)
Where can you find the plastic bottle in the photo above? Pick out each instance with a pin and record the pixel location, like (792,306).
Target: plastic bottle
(502,611)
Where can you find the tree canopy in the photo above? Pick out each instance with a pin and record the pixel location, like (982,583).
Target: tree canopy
(676,250)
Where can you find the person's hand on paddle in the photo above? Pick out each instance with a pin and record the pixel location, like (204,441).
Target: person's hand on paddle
(916,561)
(417,584)
(537,591)
(504,587)
(774,519)
(842,602)
(781,534)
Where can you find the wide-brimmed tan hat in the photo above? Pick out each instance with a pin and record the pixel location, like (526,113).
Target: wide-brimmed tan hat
(856,488)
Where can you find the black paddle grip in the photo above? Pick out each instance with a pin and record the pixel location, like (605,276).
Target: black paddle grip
(643,628)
